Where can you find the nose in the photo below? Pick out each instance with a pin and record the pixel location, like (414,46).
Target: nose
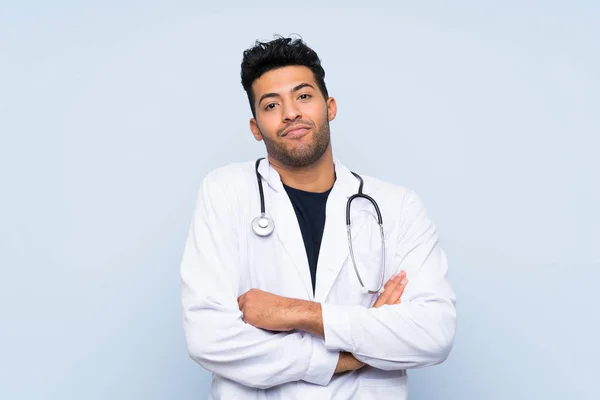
(291,112)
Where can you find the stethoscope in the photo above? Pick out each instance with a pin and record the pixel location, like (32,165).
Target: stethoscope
(264,226)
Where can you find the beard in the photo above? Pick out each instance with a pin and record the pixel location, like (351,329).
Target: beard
(303,155)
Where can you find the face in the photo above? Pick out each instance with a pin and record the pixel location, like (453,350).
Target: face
(292,116)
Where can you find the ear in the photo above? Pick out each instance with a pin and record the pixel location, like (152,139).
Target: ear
(254,129)
(331,109)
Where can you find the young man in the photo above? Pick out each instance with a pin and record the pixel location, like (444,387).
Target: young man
(287,305)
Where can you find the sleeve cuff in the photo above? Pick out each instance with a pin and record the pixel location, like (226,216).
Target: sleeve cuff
(322,363)
(336,327)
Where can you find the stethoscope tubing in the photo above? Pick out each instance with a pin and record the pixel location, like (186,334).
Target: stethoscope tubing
(264,226)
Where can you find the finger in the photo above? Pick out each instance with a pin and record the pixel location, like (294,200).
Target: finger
(398,292)
(387,291)
(394,293)
(394,280)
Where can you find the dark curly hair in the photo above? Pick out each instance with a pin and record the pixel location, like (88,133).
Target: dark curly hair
(280,52)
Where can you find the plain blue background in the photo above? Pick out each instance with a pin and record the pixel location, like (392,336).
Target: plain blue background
(112,113)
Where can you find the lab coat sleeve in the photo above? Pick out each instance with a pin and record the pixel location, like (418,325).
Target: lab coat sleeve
(217,338)
(416,333)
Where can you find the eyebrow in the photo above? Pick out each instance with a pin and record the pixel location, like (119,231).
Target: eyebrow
(295,89)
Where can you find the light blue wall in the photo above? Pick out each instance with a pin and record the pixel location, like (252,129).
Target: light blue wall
(111,114)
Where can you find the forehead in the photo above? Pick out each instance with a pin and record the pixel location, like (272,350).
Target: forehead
(282,80)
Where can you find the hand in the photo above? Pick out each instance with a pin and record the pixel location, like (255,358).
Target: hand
(392,291)
(265,310)
(347,362)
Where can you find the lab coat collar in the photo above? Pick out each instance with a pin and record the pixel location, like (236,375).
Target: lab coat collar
(345,183)
(334,246)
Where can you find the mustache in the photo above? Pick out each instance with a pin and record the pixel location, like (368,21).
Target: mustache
(297,123)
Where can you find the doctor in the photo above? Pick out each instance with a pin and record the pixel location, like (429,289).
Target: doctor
(286,306)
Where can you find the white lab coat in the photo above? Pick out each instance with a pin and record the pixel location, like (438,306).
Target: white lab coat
(223,259)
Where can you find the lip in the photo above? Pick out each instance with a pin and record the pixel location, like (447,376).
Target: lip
(296,130)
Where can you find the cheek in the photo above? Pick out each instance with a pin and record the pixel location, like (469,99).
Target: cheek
(269,126)
(316,113)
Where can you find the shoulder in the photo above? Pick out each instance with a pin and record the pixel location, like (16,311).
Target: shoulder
(388,191)
(401,207)
(229,174)
(397,201)
(226,183)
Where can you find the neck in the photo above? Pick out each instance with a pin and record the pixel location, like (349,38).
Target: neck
(318,177)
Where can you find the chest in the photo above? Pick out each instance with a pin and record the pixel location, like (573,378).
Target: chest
(279,264)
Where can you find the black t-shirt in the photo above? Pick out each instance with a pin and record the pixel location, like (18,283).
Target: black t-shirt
(310,210)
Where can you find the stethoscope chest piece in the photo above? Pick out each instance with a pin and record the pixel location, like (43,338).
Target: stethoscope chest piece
(263,225)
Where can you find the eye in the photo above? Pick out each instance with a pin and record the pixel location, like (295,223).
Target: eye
(304,96)
(270,106)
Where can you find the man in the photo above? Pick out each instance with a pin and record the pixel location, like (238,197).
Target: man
(284,313)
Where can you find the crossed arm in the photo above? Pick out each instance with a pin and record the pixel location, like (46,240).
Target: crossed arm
(302,340)
(276,313)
